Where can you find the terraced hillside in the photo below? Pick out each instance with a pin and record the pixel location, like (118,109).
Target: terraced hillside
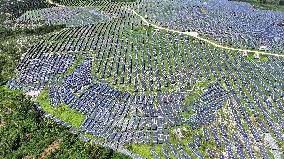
(161,78)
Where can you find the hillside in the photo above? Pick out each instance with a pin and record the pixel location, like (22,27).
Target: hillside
(142,79)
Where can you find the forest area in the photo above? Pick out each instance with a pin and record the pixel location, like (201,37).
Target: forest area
(25,133)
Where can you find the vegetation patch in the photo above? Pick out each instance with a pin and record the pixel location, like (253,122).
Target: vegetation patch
(62,111)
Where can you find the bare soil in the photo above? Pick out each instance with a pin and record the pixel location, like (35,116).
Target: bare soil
(49,149)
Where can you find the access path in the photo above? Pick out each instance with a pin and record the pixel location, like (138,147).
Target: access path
(195,35)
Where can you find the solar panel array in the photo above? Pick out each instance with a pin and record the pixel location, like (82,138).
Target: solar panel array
(177,95)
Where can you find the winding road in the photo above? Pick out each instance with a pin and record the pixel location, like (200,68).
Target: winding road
(56,4)
(192,34)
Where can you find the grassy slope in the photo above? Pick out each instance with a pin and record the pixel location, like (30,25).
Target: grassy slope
(62,111)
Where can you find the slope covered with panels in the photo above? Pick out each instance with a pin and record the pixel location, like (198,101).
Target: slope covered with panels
(155,93)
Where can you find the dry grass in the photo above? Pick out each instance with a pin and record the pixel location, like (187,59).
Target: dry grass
(49,149)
